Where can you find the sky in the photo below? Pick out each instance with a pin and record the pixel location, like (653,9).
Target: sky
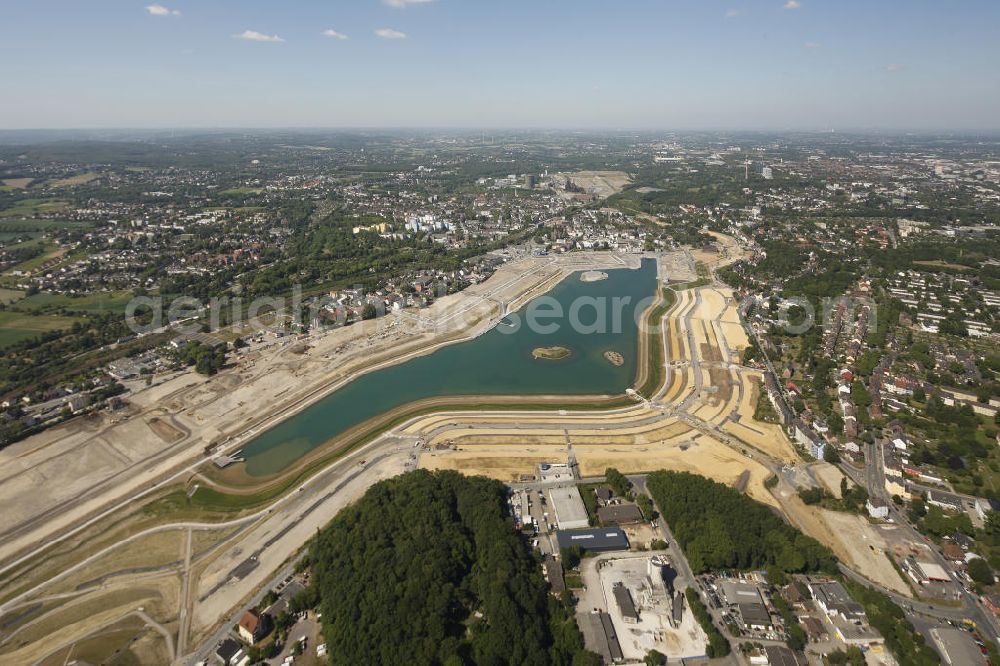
(573,64)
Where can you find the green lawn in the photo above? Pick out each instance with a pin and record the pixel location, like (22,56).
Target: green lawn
(13,336)
(700,282)
(656,370)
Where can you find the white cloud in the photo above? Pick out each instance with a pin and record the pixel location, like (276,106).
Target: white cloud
(812,45)
(254,36)
(793,4)
(893,67)
(160,10)
(402,4)
(732,13)
(389,33)
(333,34)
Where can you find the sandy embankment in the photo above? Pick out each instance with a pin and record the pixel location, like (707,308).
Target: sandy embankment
(61,476)
(203,411)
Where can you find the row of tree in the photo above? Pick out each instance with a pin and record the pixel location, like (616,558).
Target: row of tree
(717,645)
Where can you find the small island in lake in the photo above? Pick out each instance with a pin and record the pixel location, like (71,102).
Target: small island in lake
(593,276)
(551,353)
(614,358)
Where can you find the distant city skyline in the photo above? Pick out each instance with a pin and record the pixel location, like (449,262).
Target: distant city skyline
(636,64)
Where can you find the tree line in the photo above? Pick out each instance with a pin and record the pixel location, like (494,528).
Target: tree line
(720,528)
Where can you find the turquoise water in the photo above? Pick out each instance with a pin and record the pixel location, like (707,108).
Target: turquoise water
(498,362)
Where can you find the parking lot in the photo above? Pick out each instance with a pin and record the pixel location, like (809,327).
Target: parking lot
(303,639)
(531,508)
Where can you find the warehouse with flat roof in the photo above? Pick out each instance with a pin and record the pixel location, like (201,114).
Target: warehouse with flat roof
(619,514)
(597,540)
(569,509)
(599,635)
(625,604)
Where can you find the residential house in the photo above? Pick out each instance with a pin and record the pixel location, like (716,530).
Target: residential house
(252,626)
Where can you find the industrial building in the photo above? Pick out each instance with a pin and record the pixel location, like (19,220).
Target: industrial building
(646,616)
(755,616)
(947,501)
(569,508)
(625,604)
(596,540)
(619,514)
(924,572)
(833,600)
(850,633)
(746,597)
(600,636)
(779,655)
(554,574)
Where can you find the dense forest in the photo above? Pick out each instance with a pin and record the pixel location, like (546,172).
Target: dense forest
(720,528)
(427,568)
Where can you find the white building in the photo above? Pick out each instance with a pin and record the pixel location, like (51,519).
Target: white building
(877,508)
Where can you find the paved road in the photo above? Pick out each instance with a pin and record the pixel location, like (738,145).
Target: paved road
(873,478)
(14,602)
(184,617)
(208,646)
(317,490)
(685,576)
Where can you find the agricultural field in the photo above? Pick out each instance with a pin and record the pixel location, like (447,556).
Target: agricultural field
(79,179)
(18,326)
(29,207)
(8,236)
(50,251)
(11,225)
(8,296)
(11,184)
(242,190)
(89,304)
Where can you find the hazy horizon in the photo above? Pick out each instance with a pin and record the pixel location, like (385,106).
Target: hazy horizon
(541,129)
(735,65)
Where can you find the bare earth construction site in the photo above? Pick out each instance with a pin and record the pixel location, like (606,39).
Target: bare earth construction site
(127,530)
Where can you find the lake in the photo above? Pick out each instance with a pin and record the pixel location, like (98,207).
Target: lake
(498,362)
